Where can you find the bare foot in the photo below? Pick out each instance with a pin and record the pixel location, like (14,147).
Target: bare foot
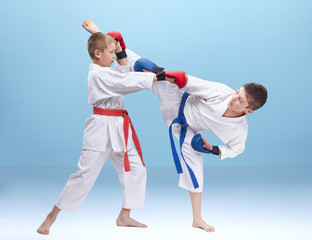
(126,221)
(203,225)
(90,26)
(45,226)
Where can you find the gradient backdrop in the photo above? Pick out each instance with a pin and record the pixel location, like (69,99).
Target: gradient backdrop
(44,67)
(264,193)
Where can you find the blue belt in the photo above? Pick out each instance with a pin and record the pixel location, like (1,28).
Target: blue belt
(182,121)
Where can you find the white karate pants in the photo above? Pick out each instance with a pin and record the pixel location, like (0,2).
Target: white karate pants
(89,167)
(170,96)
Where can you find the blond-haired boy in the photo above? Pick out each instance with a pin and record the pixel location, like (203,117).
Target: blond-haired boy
(106,133)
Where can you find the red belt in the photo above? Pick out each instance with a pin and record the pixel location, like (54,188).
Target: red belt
(124,114)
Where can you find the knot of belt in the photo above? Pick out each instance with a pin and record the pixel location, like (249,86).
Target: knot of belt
(127,121)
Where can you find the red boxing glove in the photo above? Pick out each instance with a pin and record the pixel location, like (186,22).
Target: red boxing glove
(180,77)
(117,36)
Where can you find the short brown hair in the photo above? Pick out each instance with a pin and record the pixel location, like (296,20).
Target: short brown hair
(256,94)
(98,41)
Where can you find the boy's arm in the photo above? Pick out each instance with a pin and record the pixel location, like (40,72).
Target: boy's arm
(109,83)
(121,65)
(205,89)
(236,144)
(231,150)
(131,58)
(121,61)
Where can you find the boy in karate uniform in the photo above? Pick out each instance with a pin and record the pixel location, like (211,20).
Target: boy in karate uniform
(199,106)
(207,106)
(107,132)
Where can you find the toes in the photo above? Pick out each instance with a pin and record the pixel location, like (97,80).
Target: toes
(129,222)
(143,225)
(204,227)
(44,232)
(211,229)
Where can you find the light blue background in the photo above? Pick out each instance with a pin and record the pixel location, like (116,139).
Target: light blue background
(44,66)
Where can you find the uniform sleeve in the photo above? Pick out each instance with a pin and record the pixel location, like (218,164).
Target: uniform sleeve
(107,83)
(205,89)
(122,68)
(234,147)
(131,59)
(231,150)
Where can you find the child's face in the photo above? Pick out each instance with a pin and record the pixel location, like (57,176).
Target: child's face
(239,102)
(108,56)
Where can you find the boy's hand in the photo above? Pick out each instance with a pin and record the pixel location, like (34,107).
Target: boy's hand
(90,26)
(117,47)
(145,65)
(155,76)
(206,144)
(170,79)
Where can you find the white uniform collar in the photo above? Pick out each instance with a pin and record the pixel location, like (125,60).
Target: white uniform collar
(94,66)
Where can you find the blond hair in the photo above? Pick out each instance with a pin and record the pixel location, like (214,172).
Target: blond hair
(98,41)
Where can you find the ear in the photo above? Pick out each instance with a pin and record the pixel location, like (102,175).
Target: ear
(248,110)
(97,53)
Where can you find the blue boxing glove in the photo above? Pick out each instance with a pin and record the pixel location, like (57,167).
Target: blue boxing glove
(180,77)
(143,63)
(198,145)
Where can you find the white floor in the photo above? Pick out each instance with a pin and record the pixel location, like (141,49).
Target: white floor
(241,203)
